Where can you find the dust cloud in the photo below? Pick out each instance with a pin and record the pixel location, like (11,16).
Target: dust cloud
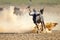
(10,22)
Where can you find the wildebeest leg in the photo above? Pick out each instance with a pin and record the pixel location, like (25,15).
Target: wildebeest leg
(42,25)
(37,27)
(35,22)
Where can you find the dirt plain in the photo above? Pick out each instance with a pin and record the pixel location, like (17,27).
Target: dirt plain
(51,14)
(30,36)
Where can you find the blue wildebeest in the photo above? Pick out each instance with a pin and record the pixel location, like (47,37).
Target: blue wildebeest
(17,11)
(38,18)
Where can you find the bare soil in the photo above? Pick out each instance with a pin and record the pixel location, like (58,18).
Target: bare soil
(30,36)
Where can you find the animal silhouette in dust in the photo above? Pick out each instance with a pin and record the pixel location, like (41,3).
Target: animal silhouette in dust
(38,18)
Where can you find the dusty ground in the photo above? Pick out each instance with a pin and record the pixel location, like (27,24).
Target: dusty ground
(30,36)
(51,14)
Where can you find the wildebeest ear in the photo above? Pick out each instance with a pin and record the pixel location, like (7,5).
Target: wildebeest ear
(41,10)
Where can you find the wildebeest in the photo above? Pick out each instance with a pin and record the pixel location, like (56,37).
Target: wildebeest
(17,11)
(38,18)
